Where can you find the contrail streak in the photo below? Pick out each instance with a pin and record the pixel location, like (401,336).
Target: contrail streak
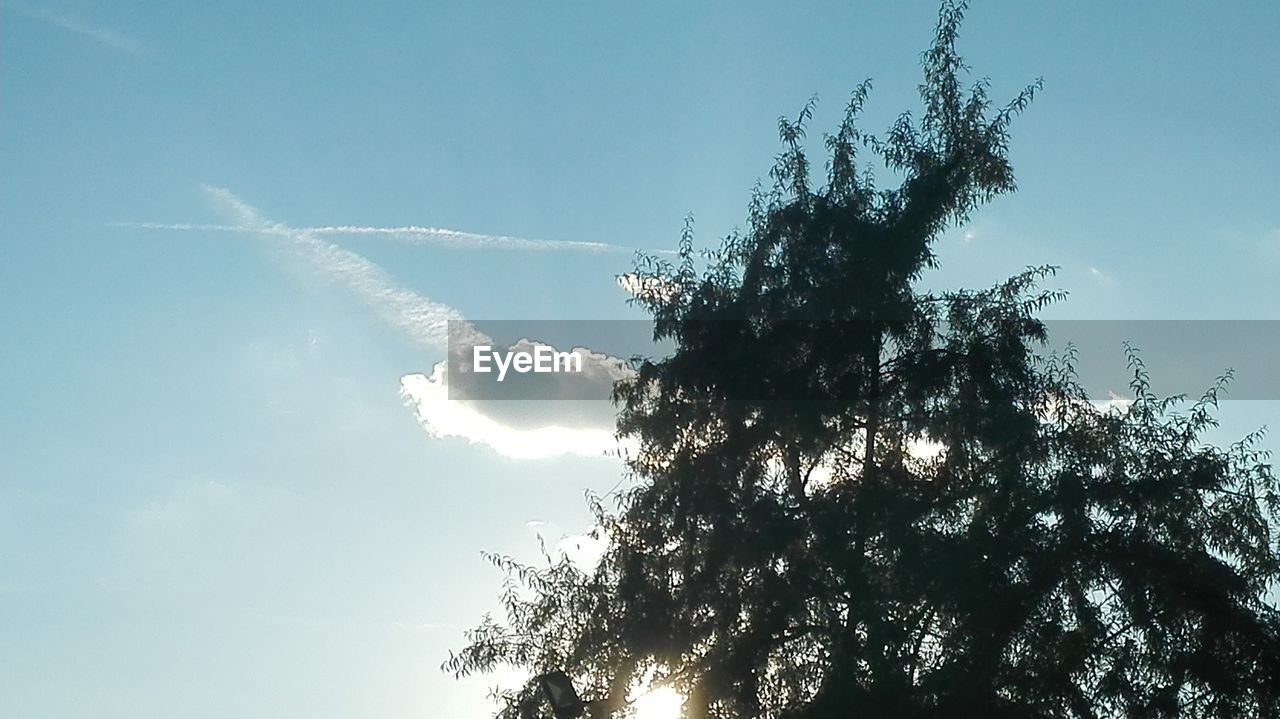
(184,226)
(414,234)
(423,320)
(457,238)
(102,36)
(426,322)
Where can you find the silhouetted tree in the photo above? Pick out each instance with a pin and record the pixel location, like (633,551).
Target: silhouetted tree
(854,499)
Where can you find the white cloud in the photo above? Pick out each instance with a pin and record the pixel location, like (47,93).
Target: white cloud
(421,319)
(1100,276)
(532,428)
(585,550)
(185,226)
(476,422)
(412,234)
(638,285)
(592,380)
(457,238)
(1113,403)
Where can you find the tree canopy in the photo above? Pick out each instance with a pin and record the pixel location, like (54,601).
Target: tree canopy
(853,498)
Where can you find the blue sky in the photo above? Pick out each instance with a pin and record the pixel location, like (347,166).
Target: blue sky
(213,499)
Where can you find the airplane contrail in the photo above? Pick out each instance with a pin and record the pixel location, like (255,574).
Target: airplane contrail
(426,322)
(439,235)
(423,320)
(100,35)
(414,234)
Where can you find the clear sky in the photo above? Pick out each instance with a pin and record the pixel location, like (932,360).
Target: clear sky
(214,501)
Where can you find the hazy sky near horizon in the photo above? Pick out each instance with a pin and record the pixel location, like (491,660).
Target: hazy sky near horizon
(214,500)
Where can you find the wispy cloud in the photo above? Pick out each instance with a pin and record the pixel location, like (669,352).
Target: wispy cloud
(102,36)
(185,226)
(1101,277)
(414,234)
(426,322)
(584,550)
(423,320)
(457,238)
(648,286)
(484,423)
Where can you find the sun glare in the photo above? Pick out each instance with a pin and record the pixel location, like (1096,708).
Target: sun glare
(661,703)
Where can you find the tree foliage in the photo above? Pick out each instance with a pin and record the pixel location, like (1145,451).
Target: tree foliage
(856,499)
